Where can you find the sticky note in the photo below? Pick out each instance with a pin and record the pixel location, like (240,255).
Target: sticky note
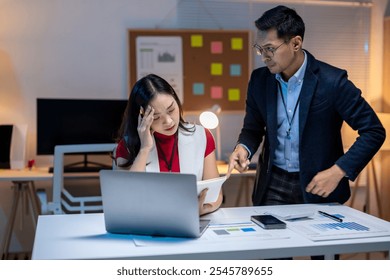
(216,92)
(237,44)
(216,47)
(196,41)
(198,88)
(216,69)
(235,69)
(233,94)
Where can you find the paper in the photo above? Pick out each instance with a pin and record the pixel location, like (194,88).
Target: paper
(320,228)
(161,55)
(214,186)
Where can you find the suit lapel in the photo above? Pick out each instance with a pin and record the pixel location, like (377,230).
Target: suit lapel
(271,92)
(307,92)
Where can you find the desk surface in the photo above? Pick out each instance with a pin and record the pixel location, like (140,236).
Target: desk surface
(36,174)
(223,168)
(42,174)
(83,236)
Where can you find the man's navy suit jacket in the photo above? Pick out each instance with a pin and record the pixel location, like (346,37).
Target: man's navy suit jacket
(327,99)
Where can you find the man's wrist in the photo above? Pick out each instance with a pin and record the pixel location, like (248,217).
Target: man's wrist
(246,148)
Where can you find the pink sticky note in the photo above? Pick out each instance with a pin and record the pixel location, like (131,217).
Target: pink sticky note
(216,92)
(216,47)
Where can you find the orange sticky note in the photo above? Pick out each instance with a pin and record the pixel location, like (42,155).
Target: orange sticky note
(196,41)
(216,69)
(233,94)
(237,44)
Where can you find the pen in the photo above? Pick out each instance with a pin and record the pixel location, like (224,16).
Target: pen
(330,216)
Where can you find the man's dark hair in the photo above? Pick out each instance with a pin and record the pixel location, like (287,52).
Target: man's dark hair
(286,21)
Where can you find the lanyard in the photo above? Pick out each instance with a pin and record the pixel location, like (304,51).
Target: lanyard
(169,164)
(285,109)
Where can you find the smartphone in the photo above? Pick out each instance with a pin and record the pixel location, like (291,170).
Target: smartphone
(268,222)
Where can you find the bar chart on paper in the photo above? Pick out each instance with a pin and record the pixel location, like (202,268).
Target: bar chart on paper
(319,228)
(347,227)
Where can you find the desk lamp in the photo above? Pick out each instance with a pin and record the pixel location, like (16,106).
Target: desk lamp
(209,120)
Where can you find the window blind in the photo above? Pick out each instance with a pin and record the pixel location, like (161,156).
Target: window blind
(337,32)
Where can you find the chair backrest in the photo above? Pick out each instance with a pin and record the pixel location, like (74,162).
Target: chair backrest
(81,204)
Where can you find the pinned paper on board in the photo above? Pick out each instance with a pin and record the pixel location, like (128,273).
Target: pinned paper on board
(163,56)
(205,67)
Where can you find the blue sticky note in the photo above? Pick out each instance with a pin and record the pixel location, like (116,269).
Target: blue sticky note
(235,70)
(198,88)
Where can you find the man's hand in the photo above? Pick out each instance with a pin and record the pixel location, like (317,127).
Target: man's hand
(238,160)
(325,182)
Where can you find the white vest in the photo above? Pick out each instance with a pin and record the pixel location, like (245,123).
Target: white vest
(192,147)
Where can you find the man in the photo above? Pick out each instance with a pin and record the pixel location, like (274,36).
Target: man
(298,104)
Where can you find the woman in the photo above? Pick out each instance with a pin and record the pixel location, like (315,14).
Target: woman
(155,138)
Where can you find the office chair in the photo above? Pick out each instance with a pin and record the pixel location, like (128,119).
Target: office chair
(62,200)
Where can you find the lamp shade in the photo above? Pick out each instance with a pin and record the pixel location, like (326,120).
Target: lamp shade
(209,120)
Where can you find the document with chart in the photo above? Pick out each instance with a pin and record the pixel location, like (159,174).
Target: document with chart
(321,228)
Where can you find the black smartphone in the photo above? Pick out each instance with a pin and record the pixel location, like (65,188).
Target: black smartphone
(268,222)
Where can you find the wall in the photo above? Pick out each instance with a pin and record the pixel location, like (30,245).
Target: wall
(74,49)
(63,48)
(385,178)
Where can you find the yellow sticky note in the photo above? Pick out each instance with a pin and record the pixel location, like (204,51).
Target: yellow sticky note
(233,94)
(196,41)
(216,69)
(237,44)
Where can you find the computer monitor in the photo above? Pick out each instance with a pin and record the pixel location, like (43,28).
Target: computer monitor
(77,121)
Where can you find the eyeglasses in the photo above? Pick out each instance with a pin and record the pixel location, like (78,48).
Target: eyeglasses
(268,51)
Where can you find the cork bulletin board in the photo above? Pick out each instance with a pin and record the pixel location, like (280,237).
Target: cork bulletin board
(205,67)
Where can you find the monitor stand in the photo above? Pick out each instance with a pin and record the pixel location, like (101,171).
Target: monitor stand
(83,166)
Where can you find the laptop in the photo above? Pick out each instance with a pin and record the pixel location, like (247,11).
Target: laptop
(146,203)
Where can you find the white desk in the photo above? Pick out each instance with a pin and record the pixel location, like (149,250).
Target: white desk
(24,190)
(83,236)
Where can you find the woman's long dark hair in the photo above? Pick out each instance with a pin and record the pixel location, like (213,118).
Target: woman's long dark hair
(142,93)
